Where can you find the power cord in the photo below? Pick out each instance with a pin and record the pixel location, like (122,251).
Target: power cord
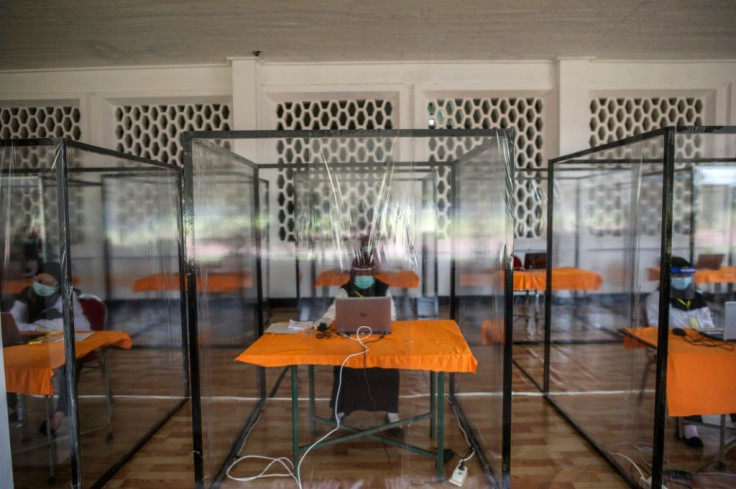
(286,462)
(338,419)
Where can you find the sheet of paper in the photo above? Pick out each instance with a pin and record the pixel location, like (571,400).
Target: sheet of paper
(292,327)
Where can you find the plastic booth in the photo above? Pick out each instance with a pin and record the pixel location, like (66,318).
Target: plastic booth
(93,358)
(636,364)
(280,385)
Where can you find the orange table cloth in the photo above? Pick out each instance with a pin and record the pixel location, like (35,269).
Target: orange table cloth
(401,278)
(29,368)
(563,278)
(700,379)
(16,285)
(213,282)
(703,276)
(435,345)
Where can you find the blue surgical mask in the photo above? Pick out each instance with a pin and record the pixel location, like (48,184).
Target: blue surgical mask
(364,281)
(680,283)
(44,290)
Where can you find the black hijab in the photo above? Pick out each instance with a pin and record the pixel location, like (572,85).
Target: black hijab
(42,307)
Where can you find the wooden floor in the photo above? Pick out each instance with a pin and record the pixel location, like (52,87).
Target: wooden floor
(596,383)
(546,453)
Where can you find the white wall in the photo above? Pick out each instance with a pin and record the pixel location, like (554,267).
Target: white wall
(254,88)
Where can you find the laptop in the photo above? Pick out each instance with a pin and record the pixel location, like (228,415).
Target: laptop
(12,335)
(353,312)
(709,262)
(533,261)
(728,331)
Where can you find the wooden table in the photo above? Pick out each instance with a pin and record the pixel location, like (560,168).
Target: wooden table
(534,281)
(563,278)
(211,282)
(29,369)
(408,347)
(700,379)
(721,275)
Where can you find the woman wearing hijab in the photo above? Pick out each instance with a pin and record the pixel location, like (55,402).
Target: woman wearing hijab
(369,389)
(38,308)
(687,309)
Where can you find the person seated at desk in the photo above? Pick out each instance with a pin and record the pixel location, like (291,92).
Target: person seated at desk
(38,308)
(370,389)
(687,309)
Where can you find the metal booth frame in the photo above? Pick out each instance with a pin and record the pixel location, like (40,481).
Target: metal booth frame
(495,480)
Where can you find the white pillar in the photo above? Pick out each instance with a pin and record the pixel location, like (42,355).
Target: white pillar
(573,80)
(245,75)
(6,463)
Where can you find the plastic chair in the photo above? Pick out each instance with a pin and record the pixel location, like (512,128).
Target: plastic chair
(95,311)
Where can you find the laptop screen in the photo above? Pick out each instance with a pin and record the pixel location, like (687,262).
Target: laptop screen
(709,262)
(353,312)
(535,261)
(11,335)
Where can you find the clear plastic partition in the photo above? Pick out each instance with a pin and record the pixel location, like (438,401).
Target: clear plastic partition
(341,204)
(634,226)
(703,235)
(223,252)
(96,223)
(383,209)
(483,250)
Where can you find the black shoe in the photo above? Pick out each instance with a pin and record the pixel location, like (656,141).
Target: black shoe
(693,442)
(396,432)
(42,430)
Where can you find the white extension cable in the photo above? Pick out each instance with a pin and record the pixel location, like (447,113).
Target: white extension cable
(286,462)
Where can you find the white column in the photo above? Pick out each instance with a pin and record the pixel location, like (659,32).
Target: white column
(245,89)
(6,463)
(732,97)
(573,80)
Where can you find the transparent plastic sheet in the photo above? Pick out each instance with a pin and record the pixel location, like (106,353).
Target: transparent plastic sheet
(703,234)
(483,244)
(375,189)
(224,254)
(608,218)
(119,225)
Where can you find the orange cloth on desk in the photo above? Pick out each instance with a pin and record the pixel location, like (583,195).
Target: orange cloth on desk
(400,278)
(702,275)
(216,282)
(436,345)
(29,368)
(563,278)
(700,379)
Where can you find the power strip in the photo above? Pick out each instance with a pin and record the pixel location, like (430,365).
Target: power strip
(459,475)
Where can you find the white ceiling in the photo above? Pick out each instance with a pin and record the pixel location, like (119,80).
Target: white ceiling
(44,34)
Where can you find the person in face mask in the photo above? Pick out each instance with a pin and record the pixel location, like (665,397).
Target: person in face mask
(687,305)
(688,309)
(38,308)
(371,389)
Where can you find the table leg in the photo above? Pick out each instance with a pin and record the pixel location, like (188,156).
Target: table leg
(722,445)
(108,393)
(295,416)
(50,439)
(431,403)
(440,426)
(312,420)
